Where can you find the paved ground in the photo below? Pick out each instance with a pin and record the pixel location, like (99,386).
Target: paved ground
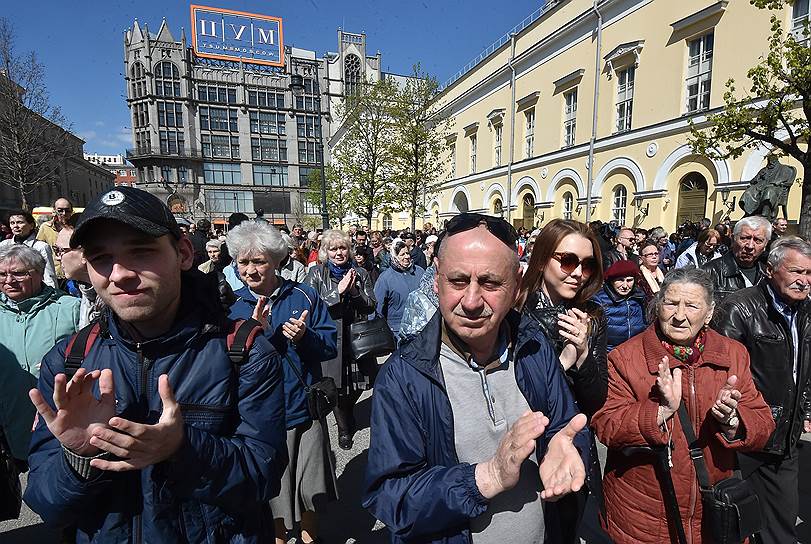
(346,521)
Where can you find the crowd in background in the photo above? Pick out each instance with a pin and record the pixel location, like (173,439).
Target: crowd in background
(608,299)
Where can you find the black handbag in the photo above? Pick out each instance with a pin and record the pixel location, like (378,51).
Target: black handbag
(731,507)
(322,396)
(371,338)
(11,496)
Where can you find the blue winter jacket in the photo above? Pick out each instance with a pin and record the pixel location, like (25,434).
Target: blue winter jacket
(392,289)
(625,318)
(317,344)
(216,487)
(415,483)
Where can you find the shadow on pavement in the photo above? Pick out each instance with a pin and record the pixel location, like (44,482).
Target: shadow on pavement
(347,519)
(39,533)
(804,528)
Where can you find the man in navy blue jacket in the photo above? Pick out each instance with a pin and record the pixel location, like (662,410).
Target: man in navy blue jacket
(473,425)
(159,436)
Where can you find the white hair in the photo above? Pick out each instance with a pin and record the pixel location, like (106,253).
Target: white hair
(330,238)
(783,245)
(30,258)
(255,237)
(754,222)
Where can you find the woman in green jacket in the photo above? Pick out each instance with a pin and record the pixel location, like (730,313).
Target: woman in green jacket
(33,317)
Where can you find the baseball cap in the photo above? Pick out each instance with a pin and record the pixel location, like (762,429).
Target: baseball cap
(133,207)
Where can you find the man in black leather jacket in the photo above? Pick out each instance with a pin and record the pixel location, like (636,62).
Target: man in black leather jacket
(741,268)
(773,321)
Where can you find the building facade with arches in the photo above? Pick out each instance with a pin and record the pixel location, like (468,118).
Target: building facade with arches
(659,67)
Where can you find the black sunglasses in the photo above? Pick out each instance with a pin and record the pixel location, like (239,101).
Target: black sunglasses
(569,263)
(497,226)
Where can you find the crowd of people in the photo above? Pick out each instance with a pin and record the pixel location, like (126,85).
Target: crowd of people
(158,377)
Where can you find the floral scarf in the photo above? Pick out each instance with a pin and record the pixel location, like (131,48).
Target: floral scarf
(687,355)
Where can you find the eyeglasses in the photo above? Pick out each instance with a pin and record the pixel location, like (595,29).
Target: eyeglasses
(64,210)
(569,263)
(16,275)
(650,254)
(497,226)
(59,251)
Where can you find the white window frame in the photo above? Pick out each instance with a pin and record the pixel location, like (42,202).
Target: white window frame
(387,221)
(529,133)
(473,150)
(497,138)
(569,117)
(619,204)
(568,205)
(799,18)
(698,84)
(625,97)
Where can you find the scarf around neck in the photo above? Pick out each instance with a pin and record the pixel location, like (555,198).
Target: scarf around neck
(338,271)
(687,355)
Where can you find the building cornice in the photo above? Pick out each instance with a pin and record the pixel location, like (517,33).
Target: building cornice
(715,9)
(532,57)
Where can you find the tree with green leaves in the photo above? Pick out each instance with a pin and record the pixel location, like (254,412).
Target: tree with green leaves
(421,127)
(337,204)
(34,136)
(364,155)
(777,104)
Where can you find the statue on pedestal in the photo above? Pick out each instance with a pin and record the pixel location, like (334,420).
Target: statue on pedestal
(768,190)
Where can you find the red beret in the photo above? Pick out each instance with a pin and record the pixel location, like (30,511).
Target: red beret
(622,269)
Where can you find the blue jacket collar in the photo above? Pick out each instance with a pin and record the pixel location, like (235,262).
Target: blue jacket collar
(422,351)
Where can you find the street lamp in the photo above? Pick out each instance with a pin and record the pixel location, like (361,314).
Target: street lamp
(297,88)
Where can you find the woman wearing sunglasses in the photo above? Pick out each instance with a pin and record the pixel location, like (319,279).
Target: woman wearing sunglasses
(564,272)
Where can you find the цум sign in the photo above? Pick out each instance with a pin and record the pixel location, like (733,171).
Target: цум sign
(233,35)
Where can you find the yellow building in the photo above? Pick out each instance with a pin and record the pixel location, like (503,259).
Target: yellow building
(523,114)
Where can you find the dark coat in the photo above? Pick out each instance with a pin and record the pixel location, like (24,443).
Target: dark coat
(749,317)
(727,276)
(633,496)
(415,483)
(391,290)
(217,485)
(624,317)
(317,344)
(354,305)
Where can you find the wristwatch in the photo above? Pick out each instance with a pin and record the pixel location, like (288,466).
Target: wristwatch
(81,464)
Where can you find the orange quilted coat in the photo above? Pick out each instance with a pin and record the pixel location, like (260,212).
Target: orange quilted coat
(635,511)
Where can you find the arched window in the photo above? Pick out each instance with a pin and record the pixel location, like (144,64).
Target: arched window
(528,211)
(137,80)
(167,79)
(620,204)
(387,221)
(568,205)
(352,74)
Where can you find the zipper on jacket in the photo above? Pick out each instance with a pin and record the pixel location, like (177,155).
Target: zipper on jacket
(144,364)
(692,409)
(138,529)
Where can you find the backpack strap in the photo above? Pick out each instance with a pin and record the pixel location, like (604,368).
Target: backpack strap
(79,346)
(241,338)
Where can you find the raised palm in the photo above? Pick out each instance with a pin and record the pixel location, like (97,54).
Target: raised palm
(78,411)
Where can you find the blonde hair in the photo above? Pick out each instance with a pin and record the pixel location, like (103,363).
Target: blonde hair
(330,238)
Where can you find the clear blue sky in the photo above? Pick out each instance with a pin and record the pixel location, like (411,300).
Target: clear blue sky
(80,42)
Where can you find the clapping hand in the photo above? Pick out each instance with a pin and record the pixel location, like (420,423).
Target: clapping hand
(725,409)
(78,413)
(294,328)
(140,445)
(573,326)
(347,282)
(562,470)
(669,385)
(261,312)
(501,472)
